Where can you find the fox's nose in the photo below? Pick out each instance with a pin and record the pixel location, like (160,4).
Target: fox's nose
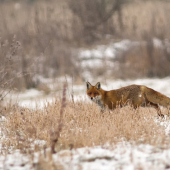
(91,98)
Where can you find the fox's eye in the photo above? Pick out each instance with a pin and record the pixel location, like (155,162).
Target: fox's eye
(89,93)
(95,93)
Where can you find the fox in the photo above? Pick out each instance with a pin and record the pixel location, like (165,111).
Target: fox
(135,95)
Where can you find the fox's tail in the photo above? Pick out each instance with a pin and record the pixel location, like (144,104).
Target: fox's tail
(156,97)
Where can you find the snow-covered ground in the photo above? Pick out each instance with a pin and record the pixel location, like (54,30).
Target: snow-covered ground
(33,98)
(123,156)
(105,50)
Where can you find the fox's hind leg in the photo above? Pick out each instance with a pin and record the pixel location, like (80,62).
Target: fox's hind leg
(156,106)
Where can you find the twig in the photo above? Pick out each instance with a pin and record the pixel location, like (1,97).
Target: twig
(56,134)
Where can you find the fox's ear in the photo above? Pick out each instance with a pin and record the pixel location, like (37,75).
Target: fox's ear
(88,85)
(98,86)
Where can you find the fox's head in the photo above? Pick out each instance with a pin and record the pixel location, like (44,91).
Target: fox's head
(94,91)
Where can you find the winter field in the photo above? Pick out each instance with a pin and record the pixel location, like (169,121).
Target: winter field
(89,140)
(49,50)
(122,139)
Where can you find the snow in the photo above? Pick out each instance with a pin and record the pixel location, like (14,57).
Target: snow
(102,56)
(166,125)
(2,118)
(15,161)
(33,98)
(107,51)
(92,63)
(157,42)
(122,156)
(36,103)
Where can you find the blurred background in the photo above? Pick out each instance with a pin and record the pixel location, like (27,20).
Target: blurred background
(41,40)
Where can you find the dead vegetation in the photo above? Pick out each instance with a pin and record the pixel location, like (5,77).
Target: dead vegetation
(144,60)
(83,124)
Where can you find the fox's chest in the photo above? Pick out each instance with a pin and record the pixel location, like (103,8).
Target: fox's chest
(99,101)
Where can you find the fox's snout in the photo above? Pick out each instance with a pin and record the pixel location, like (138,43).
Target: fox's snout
(94,98)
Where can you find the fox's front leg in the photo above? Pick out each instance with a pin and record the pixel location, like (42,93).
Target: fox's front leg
(102,110)
(105,108)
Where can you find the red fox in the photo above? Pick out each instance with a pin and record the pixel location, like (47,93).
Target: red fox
(136,95)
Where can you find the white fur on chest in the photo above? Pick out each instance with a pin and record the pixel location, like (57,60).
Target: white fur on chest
(99,101)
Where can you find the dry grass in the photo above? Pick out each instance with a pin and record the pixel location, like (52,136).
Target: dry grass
(149,18)
(145,60)
(138,18)
(83,125)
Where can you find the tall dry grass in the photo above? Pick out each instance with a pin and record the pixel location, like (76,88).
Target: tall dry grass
(144,60)
(144,19)
(83,124)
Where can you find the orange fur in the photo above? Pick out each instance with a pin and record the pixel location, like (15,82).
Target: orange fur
(136,95)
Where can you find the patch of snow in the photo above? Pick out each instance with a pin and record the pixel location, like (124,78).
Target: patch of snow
(17,6)
(107,51)
(110,157)
(165,123)
(157,42)
(37,99)
(30,93)
(92,63)
(15,161)
(2,118)
(120,156)
(97,63)
(36,103)
(40,142)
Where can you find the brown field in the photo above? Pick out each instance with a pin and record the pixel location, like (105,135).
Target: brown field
(83,124)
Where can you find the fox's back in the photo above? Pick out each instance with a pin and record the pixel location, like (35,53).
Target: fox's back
(128,91)
(132,94)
